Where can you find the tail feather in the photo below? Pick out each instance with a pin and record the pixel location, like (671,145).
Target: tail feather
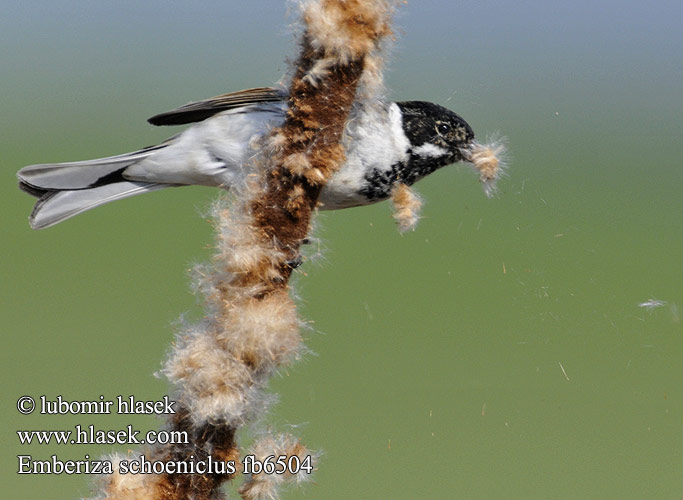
(33,191)
(56,206)
(67,189)
(82,174)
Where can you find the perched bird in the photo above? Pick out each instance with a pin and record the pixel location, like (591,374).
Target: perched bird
(385,144)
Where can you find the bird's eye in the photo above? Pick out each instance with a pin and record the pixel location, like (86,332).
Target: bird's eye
(443,128)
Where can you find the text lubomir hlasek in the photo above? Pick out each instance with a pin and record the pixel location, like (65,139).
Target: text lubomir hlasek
(121,405)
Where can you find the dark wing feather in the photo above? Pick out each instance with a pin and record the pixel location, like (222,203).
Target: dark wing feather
(201,110)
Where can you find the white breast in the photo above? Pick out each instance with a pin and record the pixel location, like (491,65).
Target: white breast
(374,140)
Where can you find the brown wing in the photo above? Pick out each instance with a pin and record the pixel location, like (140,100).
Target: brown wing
(201,110)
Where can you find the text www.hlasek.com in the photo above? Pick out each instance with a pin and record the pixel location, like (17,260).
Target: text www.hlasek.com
(90,435)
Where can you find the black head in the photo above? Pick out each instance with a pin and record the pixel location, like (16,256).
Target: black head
(437,137)
(436,134)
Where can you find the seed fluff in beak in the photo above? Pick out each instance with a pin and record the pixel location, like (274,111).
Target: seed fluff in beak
(489,160)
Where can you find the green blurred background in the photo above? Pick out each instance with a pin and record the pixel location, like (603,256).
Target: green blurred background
(496,352)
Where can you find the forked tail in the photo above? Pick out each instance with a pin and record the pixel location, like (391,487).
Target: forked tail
(67,189)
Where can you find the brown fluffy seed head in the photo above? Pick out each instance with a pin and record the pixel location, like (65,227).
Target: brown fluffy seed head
(346,30)
(212,382)
(244,257)
(221,365)
(262,333)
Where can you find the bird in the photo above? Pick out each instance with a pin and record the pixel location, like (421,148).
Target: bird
(386,143)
